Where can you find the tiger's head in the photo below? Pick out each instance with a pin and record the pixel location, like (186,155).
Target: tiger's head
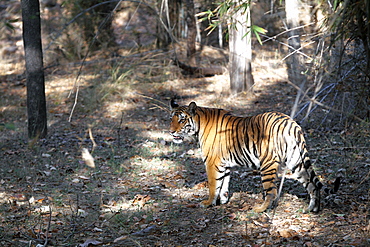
(182,121)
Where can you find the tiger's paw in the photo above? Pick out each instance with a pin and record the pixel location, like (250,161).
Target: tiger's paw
(309,209)
(262,208)
(206,204)
(313,207)
(259,209)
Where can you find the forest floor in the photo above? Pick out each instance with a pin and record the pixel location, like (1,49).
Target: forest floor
(142,189)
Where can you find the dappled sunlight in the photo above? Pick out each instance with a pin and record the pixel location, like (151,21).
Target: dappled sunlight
(57,85)
(9,68)
(115,109)
(122,118)
(268,68)
(135,157)
(158,135)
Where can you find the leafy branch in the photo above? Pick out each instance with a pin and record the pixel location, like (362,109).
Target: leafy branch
(223,14)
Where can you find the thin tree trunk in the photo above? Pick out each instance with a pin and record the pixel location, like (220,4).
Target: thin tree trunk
(192,32)
(366,35)
(295,60)
(36,102)
(167,27)
(240,45)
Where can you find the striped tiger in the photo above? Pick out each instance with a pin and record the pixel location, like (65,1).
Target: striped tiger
(266,142)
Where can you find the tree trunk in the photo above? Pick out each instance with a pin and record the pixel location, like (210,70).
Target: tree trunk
(192,32)
(295,60)
(365,35)
(96,21)
(240,45)
(36,102)
(169,21)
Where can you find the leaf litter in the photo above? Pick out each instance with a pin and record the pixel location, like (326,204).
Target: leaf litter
(130,186)
(134,197)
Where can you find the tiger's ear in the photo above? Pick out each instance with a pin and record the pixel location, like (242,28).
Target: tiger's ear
(173,104)
(192,108)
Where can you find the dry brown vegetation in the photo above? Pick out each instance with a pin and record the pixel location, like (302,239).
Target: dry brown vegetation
(144,190)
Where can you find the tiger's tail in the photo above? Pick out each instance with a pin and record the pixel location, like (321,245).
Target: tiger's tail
(337,183)
(334,189)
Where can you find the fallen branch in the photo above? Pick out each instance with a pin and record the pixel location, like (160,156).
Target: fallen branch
(199,71)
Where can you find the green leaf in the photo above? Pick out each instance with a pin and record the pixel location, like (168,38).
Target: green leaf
(13,20)
(10,26)
(257,30)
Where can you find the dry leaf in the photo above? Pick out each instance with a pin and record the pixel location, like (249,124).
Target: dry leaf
(87,157)
(84,177)
(168,184)
(90,242)
(82,213)
(75,181)
(178,176)
(232,216)
(287,233)
(19,197)
(120,239)
(147,231)
(141,200)
(201,185)
(44,209)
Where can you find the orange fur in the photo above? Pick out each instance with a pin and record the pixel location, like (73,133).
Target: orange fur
(265,142)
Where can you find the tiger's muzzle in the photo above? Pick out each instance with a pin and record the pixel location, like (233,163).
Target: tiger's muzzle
(176,137)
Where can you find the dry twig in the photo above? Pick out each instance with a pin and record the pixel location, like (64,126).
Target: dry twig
(328,107)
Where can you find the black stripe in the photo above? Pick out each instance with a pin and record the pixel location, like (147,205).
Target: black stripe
(268,180)
(269,189)
(224,176)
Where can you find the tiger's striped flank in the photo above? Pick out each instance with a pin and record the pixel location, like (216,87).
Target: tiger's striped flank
(266,142)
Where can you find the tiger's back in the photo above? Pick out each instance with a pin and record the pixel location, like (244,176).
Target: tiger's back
(265,142)
(249,141)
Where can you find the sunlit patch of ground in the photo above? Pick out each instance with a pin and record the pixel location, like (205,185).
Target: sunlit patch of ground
(141,179)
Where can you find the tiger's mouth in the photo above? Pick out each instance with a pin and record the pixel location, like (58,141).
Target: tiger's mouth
(177,139)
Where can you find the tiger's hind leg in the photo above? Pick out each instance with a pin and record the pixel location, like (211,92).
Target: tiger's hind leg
(269,176)
(308,178)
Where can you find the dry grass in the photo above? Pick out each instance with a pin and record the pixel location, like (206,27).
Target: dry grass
(48,195)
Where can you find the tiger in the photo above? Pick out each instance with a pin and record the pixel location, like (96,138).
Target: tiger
(267,142)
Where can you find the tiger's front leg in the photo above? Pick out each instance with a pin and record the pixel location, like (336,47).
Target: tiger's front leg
(269,176)
(218,184)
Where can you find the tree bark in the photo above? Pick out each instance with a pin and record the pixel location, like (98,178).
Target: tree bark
(36,102)
(192,32)
(295,60)
(240,45)
(167,26)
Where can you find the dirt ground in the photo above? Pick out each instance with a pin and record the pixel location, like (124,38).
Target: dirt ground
(143,190)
